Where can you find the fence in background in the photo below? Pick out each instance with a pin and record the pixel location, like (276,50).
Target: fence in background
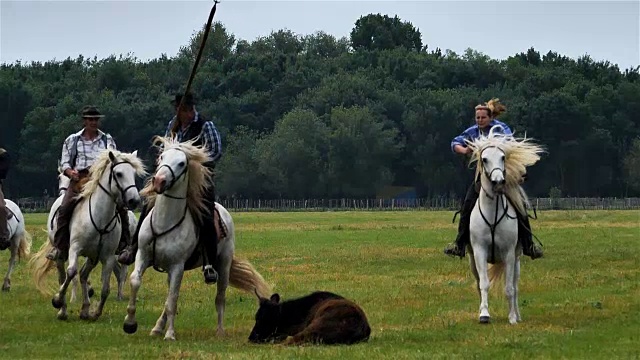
(434,204)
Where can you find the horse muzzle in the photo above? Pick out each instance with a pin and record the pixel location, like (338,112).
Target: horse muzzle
(498,186)
(159,184)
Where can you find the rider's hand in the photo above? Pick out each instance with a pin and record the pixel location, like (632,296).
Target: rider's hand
(73,174)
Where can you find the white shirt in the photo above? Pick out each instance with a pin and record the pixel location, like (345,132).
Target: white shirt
(87,150)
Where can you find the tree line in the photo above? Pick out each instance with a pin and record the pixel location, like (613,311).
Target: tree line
(315,116)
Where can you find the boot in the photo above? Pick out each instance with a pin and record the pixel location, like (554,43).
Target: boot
(209,241)
(128,255)
(529,248)
(458,248)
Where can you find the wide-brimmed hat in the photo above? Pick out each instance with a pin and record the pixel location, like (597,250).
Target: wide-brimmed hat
(91,111)
(188,100)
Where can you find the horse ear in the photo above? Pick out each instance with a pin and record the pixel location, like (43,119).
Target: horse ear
(111,156)
(135,153)
(275,298)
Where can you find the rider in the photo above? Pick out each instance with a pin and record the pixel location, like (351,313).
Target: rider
(4,227)
(485,118)
(191,125)
(79,151)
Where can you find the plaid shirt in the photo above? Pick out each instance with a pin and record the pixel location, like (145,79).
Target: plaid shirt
(209,134)
(474,132)
(86,150)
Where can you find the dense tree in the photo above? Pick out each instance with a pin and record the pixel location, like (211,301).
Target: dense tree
(317,116)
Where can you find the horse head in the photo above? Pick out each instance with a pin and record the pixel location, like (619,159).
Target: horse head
(119,171)
(493,167)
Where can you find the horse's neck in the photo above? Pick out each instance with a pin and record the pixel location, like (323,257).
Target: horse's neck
(101,203)
(168,209)
(488,200)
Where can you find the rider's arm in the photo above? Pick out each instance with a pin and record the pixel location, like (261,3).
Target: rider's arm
(458,144)
(212,140)
(65,156)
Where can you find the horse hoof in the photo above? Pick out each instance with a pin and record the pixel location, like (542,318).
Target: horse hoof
(56,302)
(91,292)
(130,328)
(6,287)
(84,316)
(62,316)
(155,332)
(484,319)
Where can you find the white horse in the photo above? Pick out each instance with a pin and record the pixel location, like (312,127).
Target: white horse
(119,270)
(168,235)
(501,163)
(95,227)
(19,240)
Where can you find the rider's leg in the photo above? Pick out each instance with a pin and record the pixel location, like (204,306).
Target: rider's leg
(128,255)
(4,227)
(209,239)
(529,248)
(125,235)
(458,248)
(61,238)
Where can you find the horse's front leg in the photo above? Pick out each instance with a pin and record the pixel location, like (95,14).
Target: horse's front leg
(86,269)
(59,300)
(161,323)
(6,286)
(108,263)
(130,325)
(482,267)
(171,307)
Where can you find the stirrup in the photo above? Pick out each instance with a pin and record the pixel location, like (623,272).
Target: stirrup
(210,275)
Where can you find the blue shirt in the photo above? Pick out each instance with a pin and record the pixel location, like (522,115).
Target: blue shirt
(474,132)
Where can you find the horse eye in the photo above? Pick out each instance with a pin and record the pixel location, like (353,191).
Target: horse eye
(181,163)
(484,160)
(119,175)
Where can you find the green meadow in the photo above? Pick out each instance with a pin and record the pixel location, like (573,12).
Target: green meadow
(581,301)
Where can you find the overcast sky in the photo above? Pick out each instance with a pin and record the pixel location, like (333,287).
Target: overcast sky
(56,29)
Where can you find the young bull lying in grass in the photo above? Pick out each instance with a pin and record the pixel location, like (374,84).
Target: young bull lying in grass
(320,318)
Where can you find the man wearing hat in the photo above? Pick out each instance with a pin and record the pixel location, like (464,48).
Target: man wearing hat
(191,125)
(79,151)
(4,227)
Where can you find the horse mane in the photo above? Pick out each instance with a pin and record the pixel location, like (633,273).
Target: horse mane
(199,175)
(103,162)
(520,153)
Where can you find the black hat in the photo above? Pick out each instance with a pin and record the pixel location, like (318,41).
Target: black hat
(188,100)
(90,111)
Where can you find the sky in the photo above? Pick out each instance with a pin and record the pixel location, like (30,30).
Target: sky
(56,29)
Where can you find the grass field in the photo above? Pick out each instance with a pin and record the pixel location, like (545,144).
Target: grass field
(581,301)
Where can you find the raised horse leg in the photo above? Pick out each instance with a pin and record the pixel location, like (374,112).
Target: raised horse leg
(59,299)
(130,325)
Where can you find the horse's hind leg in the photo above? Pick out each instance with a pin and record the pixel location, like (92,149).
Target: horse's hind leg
(509,273)
(84,280)
(120,271)
(6,285)
(223,283)
(171,306)
(107,268)
(516,279)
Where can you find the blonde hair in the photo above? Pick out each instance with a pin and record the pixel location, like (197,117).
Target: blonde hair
(493,107)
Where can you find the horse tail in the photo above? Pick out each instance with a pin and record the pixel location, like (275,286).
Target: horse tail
(495,272)
(24,247)
(41,266)
(245,277)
